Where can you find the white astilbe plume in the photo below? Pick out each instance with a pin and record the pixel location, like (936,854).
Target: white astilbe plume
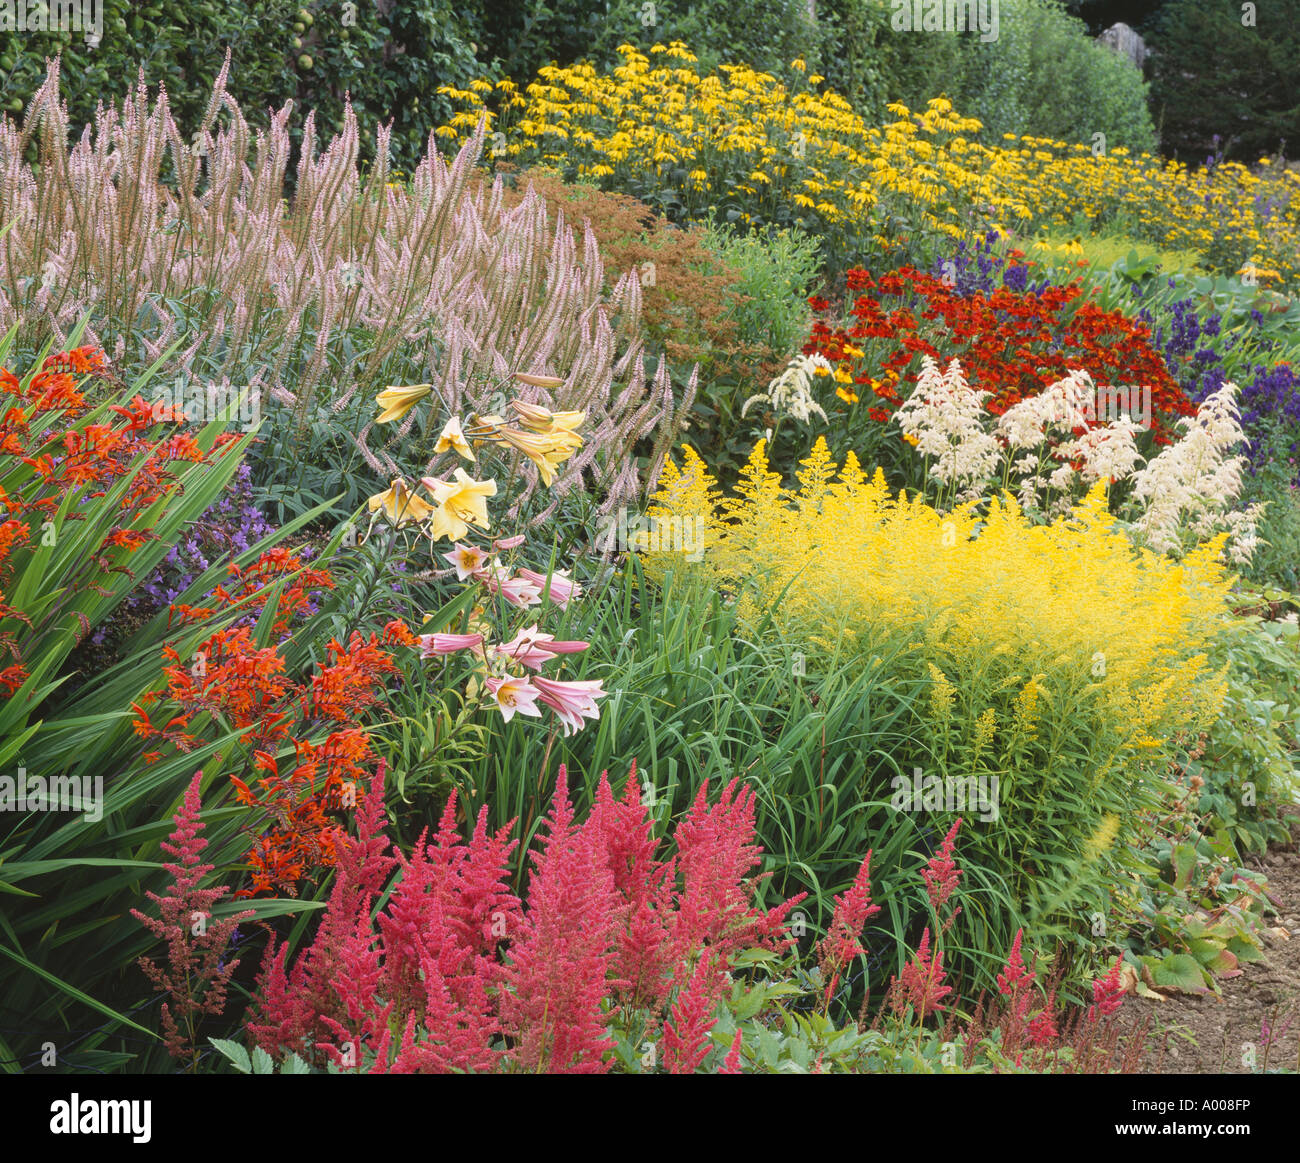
(1108,453)
(790,394)
(1192,485)
(945,417)
(1060,407)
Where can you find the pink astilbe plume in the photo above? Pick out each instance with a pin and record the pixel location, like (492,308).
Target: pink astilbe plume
(842,942)
(921,983)
(196,977)
(686,1030)
(732,1063)
(457,974)
(716,856)
(941,874)
(359,985)
(1042,1031)
(1107,993)
(440,930)
(559,967)
(645,950)
(452,900)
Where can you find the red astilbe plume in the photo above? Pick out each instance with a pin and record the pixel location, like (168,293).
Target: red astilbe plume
(716,855)
(558,970)
(686,1030)
(941,875)
(1042,1031)
(1107,993)
(921,983)
(358,982)
(458,891)
(440,933)
(1016,983)
(645,950)
(842,942)
(732,1063)
(196,977)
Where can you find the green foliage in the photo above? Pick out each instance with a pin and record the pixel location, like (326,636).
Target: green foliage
(776,271)
(390,58)
(765,34)
(1222,86)
(871,64)
(1041,75)
(1251,750)
(259,1061)
(1045,77)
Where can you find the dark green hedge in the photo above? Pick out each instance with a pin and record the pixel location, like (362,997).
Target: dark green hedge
(391,57)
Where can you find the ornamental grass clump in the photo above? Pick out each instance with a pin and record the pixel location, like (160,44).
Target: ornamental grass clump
(1041,669)
(195,246)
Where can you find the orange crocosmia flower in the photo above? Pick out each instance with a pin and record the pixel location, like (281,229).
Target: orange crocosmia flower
(54,391)
(11,532)
(139,413)
(84,360)
(126,539)
(42,464)
(397,632)
(351,684)
(13,677)
(180,446)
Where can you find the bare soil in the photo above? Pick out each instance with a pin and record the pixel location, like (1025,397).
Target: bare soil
(1228,1034)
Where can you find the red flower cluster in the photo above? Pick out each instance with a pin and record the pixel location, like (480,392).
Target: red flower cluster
(197,975)
(842,943)
(456,966)
(1011,343)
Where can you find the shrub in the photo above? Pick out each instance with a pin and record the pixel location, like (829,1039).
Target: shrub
(689,292)
(388,58)
(1222,86)
(527,36)
(1044,76)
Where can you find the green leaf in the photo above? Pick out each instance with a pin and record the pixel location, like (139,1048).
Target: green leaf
(235,1052)
(1181,972)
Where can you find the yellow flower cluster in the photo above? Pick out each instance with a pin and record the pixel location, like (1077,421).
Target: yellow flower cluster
(991,610)
(1242,220)
(743,135)
(797,153)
